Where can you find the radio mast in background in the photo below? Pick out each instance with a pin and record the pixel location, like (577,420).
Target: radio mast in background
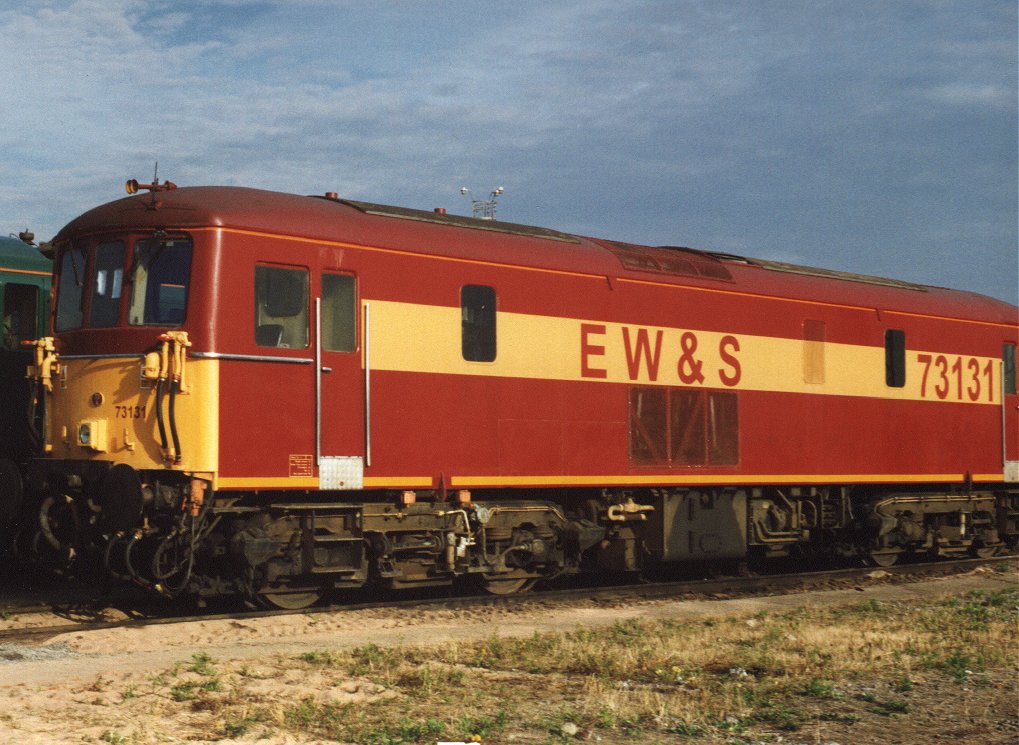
(483,209)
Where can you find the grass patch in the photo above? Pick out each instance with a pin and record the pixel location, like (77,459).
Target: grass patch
(751,678)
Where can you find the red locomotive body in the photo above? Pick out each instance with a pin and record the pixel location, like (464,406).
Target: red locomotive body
(357,392)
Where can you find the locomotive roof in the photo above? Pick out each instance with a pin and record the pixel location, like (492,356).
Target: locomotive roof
(16,254)
(332,219)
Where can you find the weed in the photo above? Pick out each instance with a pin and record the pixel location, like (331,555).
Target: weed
(405,732)
(871,606)
(482,727)
(319,658)
(686,729)
(114,738)
(309,716)
(201,664)
(819,689)
(183,691)
(372,658)
(834,716)
(428,679)
(188,689)
(960,665)
(239,727)
(160,679)
(628,629)
(884,708)
(245,671)
(605,718)
(903,685)
(732,724)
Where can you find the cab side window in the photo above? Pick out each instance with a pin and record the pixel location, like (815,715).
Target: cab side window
(339,312)
(1008,358)
(477,315)
(895,358)
(281,307)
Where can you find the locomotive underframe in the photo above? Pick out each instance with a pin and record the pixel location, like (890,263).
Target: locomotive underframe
(168,531)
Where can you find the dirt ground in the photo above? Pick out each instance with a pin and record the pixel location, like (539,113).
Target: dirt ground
(86,686)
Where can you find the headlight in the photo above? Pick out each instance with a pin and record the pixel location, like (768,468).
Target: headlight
(92,434)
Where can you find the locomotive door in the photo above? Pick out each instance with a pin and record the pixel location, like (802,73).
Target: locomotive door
(339,386)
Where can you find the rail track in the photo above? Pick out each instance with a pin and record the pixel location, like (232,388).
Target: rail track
(144,612)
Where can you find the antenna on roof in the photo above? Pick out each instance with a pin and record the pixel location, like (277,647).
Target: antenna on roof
(484,209)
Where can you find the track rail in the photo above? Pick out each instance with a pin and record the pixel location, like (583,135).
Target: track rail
(724,586)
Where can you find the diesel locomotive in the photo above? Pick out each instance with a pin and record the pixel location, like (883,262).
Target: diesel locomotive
(24,303)
(272,395)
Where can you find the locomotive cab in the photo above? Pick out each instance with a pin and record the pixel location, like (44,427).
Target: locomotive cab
(129,413)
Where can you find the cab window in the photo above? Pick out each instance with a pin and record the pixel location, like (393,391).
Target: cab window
(281,307)
(70,290)
(108,276)
(160,276)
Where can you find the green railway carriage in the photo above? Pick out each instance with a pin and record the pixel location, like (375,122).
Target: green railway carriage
(24,292)
(24,305)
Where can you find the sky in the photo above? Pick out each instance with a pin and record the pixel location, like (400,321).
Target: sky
(877,137)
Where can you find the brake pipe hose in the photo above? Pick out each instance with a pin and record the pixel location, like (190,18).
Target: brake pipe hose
(176,454)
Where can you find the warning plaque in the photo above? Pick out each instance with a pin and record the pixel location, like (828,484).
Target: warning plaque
(302,466)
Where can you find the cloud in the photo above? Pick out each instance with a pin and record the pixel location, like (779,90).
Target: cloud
(837,133)
(969,94)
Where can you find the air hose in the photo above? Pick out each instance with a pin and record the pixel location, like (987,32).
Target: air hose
(159,414)
(174,385)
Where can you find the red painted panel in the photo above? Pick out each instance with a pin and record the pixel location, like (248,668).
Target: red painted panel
(426,424)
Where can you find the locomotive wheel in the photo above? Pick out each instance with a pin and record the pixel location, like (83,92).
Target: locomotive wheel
(984,551)
(505,584)
(11,491)
(288,600)
(59,528)
(882,558)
